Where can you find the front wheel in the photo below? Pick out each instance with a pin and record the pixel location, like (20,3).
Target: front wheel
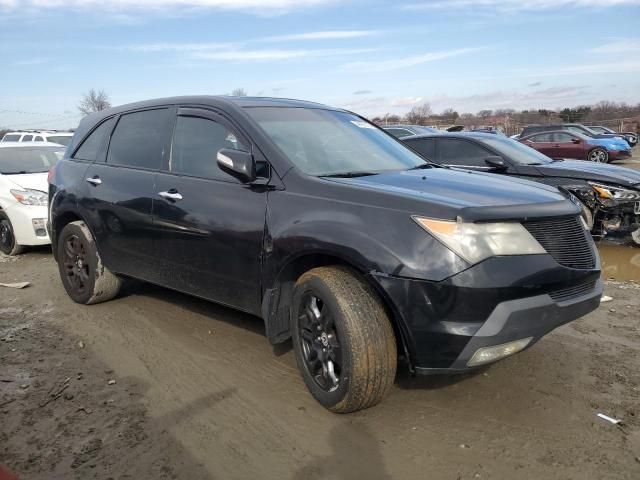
(84,276)
(599,155)
(8,243)
(343,340)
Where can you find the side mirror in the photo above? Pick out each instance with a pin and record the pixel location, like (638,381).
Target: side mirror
(496,162)
(238,164)
(575,140)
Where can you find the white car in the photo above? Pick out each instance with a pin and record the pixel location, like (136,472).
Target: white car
(53,136)
(23,193)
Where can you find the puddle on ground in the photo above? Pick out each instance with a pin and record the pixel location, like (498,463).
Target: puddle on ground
(620,261)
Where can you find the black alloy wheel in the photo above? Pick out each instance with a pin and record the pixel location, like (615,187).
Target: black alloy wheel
(75,264)
(319,342)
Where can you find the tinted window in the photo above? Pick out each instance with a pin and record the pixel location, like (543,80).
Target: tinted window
(38,139)
(424,146)
(562,137)
(399,132)
(515,151)
(542,138)
(91,146)
(461,152)
(11,138)
(139,139)
(196,142)
(27,138)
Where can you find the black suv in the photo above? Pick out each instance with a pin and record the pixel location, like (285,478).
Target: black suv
(572,127)
(328,228)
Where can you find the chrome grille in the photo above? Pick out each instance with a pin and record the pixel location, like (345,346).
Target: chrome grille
(565,239)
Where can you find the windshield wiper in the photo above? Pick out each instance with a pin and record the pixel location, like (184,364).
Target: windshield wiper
(422,166)
(21,172)
(348,174)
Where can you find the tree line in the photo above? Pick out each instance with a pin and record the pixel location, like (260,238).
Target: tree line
(602,111)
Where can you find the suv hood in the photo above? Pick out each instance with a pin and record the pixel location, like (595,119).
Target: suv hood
(30,181)
(473,196)
(600,172)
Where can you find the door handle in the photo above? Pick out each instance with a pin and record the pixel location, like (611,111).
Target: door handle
(95,181)
(171,195)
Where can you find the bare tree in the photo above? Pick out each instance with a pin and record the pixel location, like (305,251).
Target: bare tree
(239,92)
(94,101)
(419,114)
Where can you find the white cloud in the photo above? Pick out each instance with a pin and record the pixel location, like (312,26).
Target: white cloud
(324,35)
(176,47)
(253,6)
(398,63)
(518,5)
(284,54)
(622,46)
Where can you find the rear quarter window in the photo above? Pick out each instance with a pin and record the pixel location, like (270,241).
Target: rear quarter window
(92,145)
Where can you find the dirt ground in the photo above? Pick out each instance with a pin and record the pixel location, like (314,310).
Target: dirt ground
(155,384)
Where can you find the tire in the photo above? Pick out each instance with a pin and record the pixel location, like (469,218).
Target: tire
(352,326)
(598,155)
(8,244)
(84,276)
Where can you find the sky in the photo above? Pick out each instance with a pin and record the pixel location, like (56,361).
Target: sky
(372,57)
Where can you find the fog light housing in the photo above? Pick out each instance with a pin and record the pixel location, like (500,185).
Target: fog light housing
(39,226)
(496,352)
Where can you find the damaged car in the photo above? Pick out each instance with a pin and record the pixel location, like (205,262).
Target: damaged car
(608,195)
(328,228)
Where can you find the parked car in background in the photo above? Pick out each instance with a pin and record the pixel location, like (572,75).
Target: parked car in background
(572,127)
(575,145)
(51,136)
(335,233)
(609,196)
(488,129)
(402,130)
(630,137)
(23,193)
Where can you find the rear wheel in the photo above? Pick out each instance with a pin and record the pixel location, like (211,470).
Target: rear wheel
(82,272)
(344,342)
(8,243)
(599,155)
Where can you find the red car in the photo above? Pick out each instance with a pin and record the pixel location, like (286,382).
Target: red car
(565,144)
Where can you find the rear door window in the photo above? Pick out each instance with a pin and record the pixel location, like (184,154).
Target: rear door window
(461,152)
(562,137)
(399,132)
(424,146)
(27,138)
(542,138)
(140,139)
(92,144)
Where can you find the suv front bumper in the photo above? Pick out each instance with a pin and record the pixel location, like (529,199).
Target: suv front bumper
(514,320)
(504,299)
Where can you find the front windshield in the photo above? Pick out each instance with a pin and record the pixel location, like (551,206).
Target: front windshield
(28,160)
(583,130)
(60,139)
(325,142)
(516,151)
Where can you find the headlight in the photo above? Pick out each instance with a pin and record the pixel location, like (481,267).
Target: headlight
(608,192)
(474,242)
(30,197)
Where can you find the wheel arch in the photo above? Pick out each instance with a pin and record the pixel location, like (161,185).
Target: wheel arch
(277,298)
